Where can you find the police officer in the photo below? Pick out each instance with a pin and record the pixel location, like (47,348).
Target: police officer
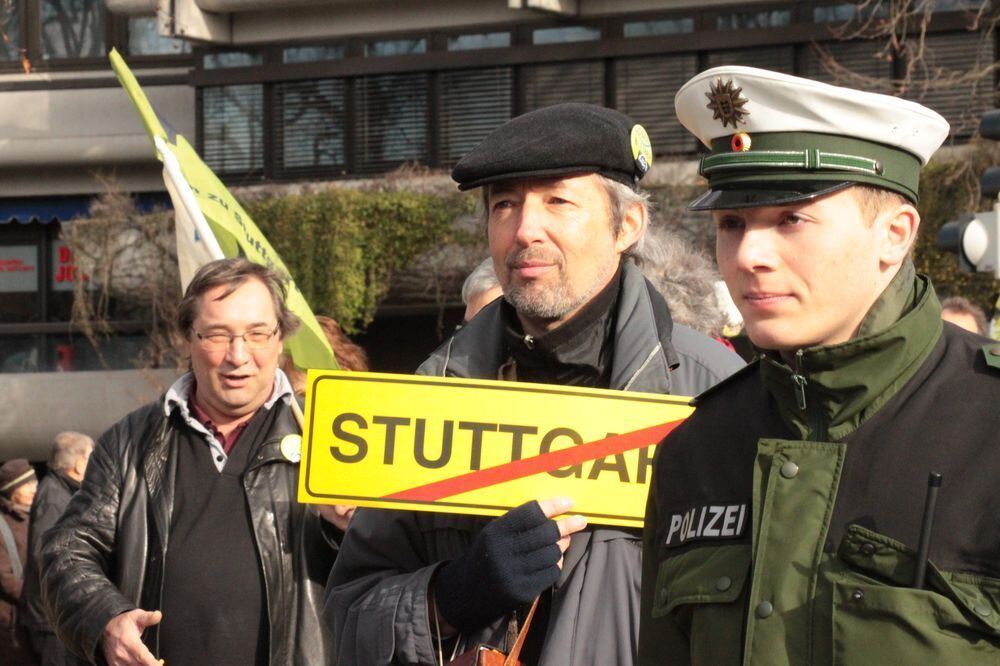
(564,216)
(784,521)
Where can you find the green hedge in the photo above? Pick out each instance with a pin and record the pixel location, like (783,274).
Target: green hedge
(342,246)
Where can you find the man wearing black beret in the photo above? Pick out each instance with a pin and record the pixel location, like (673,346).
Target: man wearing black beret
(565,220)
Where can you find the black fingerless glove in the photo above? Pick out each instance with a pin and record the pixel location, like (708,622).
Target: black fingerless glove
(509,563)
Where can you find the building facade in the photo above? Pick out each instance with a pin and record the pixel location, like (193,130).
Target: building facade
(279,91)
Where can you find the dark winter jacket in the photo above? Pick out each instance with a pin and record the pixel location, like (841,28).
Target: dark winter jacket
(785,515)
(51,499)
(377,597)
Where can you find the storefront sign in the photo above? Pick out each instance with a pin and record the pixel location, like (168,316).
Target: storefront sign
(18,268)
(65,272)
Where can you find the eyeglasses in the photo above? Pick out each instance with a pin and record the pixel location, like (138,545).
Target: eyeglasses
(219,341)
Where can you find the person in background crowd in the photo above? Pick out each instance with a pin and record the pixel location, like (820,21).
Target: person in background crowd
(686,278)
(480,289)
(786,519)
(564,217)
(17,491)
(349,357)
(964,313)
(185,541)
(67,464)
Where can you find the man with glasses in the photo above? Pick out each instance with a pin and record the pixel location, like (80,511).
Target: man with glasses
(185,542)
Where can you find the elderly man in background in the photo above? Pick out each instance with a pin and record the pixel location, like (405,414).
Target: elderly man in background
(480,288)
(67,464)
(185,541)
(17,491)
(962,312)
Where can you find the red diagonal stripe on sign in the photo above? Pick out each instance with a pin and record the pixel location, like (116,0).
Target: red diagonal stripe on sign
(545,462)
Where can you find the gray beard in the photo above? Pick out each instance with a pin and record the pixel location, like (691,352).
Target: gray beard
(548,303)
(553,302)
(536,303)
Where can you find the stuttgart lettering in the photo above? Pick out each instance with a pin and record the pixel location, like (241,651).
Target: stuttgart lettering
(400,435)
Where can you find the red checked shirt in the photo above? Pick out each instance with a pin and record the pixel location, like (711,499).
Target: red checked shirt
(227,441)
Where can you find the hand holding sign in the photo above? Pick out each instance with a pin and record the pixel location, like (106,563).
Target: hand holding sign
(509,563)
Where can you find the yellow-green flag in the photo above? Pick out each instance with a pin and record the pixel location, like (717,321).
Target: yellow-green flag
(211,224)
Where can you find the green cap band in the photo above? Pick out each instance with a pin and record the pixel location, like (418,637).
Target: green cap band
(790,157)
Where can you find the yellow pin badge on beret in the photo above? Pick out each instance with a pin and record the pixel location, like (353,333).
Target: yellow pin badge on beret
(291,448)
(642,149)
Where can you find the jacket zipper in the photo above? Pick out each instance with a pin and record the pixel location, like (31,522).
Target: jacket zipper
(799,381)
(814,418)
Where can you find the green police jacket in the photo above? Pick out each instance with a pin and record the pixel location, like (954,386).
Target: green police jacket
(785,514)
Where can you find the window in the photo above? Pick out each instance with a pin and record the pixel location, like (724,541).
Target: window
(645,91)
(10,31)
(72,29)
(485,40)
(391,121)
(225,59)
(233,136)
(943,87)
(312,53)
(310,125)
(144,38)
(574,33)
(824,62)
(563,82)
(660,27)
(845,12)
(778,58)
(19,282)
(956,5)
(473,104)
(396,47)
(49,353)
(750,20)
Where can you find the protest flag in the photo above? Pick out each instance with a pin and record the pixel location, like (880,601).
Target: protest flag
(211,224)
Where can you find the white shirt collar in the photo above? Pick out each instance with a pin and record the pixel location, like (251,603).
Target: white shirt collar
(178,394)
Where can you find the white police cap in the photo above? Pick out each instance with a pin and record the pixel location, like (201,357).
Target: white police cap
(776,138)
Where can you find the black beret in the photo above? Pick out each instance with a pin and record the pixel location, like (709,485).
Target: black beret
(559,140)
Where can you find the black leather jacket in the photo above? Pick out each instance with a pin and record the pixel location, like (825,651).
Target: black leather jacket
(105,555)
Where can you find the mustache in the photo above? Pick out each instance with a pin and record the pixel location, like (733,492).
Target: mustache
(542,254)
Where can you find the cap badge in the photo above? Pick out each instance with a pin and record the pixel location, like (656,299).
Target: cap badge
(740,142)
(291,448)
(642,149)
(726,102)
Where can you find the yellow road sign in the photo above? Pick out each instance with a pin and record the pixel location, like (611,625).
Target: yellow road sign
(480,447)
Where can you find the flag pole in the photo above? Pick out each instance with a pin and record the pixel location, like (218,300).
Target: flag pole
(179,182)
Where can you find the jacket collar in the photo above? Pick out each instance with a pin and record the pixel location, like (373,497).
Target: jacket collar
(831,390)
(576,353)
